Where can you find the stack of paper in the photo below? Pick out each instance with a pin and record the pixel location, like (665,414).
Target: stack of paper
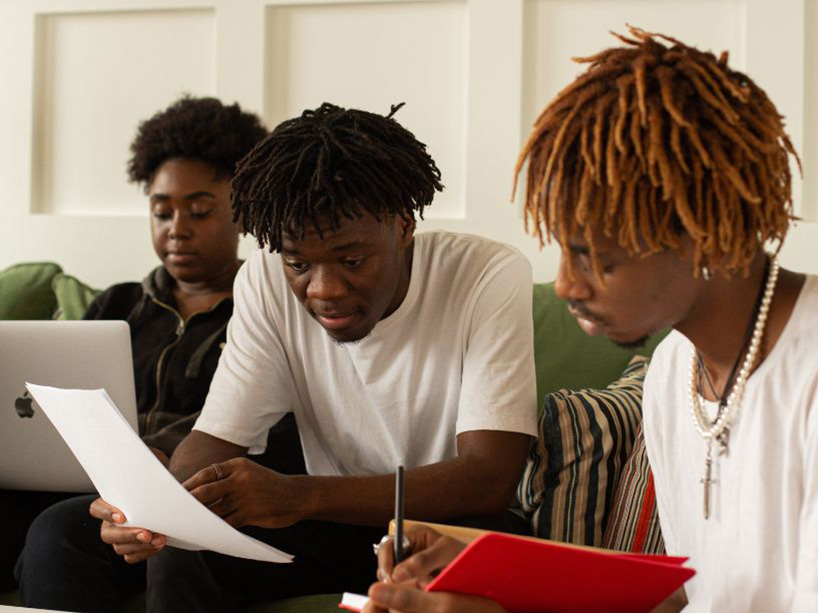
(128,476)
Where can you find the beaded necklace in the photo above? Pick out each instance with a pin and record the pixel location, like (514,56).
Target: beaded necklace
(718,429)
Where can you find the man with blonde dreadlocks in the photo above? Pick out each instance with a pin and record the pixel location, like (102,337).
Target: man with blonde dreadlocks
(664,174)
(391,348)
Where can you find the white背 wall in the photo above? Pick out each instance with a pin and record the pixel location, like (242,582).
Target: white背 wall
(78,75)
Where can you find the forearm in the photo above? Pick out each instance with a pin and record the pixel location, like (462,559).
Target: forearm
(434,493)
(168,437)
(468,485)
(198,450)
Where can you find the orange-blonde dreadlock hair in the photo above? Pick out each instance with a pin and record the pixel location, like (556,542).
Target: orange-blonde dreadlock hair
(653,141)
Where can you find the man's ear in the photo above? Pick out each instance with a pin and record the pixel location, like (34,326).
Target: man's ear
(405,226)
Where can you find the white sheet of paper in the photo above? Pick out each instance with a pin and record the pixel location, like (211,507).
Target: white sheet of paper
(128,476)
(353,602)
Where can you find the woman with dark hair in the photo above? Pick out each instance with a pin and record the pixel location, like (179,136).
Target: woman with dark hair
(185,157)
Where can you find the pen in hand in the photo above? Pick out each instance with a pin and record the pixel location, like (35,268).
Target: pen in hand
(399,515)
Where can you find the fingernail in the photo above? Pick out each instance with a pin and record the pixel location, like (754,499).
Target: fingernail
(117,517)
(157,540)
(142,537)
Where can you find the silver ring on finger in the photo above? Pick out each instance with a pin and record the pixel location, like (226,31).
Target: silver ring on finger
(386,538)
(218,470)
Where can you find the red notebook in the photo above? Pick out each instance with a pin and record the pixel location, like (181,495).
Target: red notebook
(527,576)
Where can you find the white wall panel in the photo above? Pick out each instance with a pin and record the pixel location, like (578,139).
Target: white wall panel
(97,75)
(373,55)
(797,69)
(779,67)
(474,74)
(557,30)
(810,147)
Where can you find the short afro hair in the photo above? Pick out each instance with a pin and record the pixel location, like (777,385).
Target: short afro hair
(201,129)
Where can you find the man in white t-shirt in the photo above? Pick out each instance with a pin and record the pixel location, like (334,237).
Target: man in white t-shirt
(391,349)
(662,173)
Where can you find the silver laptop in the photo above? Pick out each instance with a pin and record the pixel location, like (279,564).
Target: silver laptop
(68,354)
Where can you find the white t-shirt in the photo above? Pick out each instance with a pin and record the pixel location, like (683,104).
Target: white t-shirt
(457,355)
(758,551)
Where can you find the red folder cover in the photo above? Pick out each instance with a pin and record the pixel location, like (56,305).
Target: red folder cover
(528,576)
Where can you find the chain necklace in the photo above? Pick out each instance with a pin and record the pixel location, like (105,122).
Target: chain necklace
(718,428)
(731,378)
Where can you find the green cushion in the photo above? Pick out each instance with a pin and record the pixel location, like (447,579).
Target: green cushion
(25,291)
(11,599)
(73,296)
(566,357)
(324,603)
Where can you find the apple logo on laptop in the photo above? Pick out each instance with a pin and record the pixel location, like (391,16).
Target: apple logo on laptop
(23,405)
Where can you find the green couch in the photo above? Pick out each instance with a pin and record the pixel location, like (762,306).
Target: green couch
(565,358)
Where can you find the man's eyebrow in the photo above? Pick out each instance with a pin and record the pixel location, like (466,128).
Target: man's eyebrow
(584,250)
(335,249)
(350,245)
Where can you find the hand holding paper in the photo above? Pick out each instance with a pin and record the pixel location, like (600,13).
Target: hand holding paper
(129,476)
(133,544)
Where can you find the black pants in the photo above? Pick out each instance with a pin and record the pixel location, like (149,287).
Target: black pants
(328,558)
(74,570)
(17,511)
(65,565)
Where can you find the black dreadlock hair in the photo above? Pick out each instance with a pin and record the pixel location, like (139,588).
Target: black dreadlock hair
(327,165)
(197,129)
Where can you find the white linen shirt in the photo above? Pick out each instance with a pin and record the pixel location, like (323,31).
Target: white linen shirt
(455,356)
(758,551)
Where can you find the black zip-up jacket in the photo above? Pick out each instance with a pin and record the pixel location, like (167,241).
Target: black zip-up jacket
(174,360)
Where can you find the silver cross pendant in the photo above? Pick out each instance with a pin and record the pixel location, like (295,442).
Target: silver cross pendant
(707,481)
